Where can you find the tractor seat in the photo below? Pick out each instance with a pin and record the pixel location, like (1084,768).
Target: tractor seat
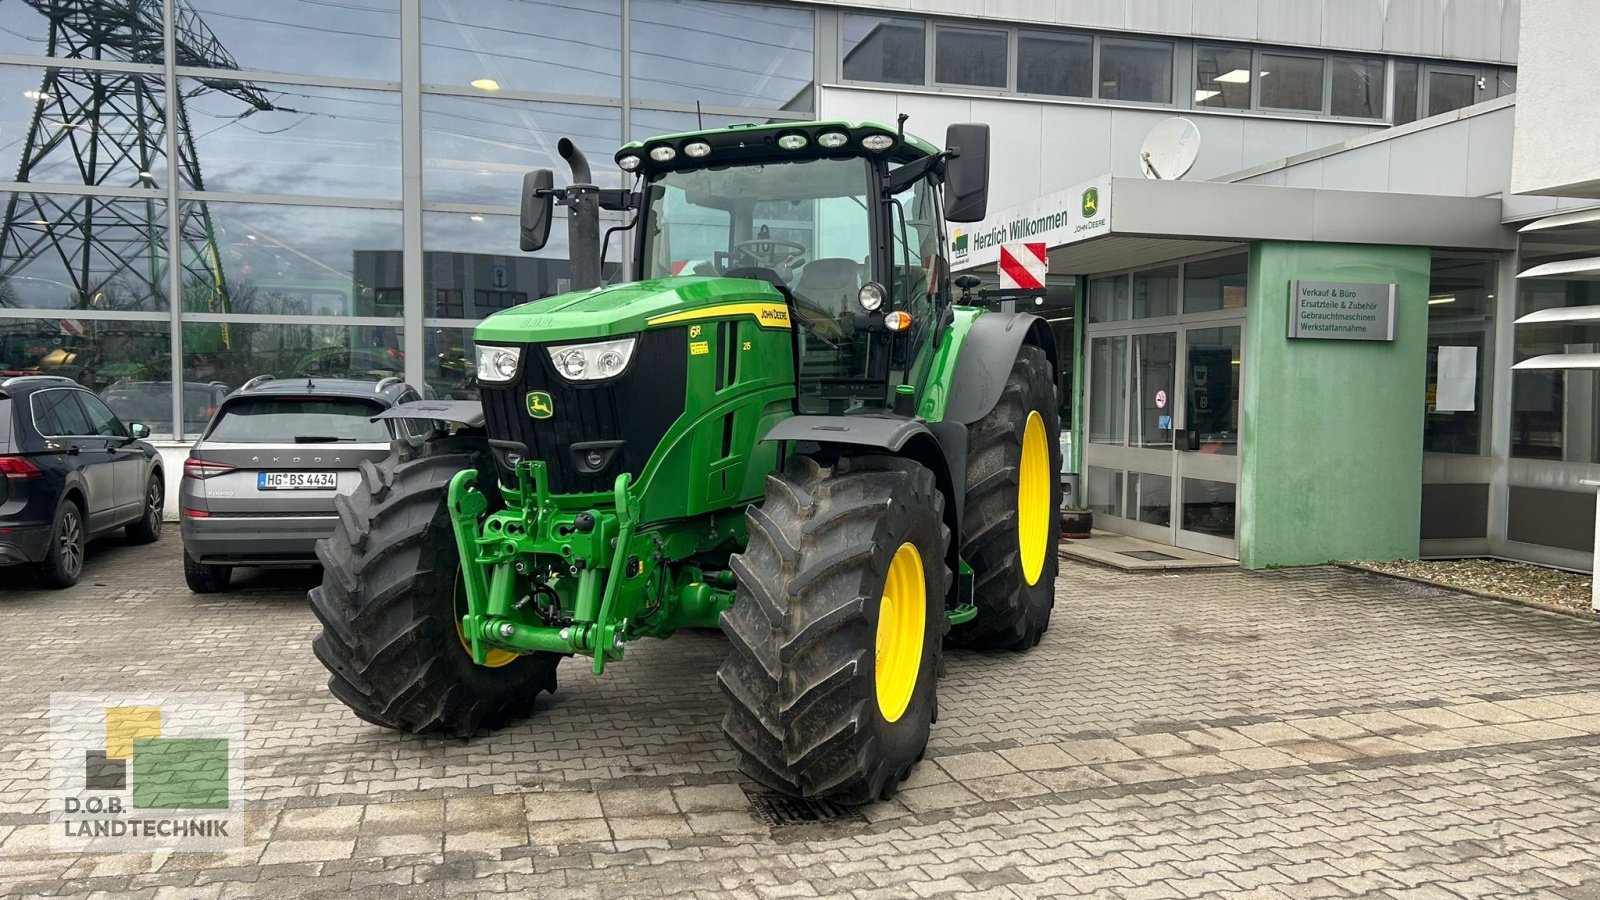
(830,285)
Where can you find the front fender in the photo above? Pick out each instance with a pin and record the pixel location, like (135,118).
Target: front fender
(986,354)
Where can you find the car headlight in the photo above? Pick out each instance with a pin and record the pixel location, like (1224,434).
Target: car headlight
(592,362)
(497,365)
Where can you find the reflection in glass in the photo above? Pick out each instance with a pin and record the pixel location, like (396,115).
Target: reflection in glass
(1222,77)
(1448,91)
(133,35)
(476,150)
(234,352)
(349,38)
(974,56)
(1108,299)
(1213,284)
(1155,293)
(722,54)
(564,46)
(1555,414)
(890,51)
(296,261)
(60,251)
(1357,87)
(1135,70)
(649,123)
(450,368)
(1291,82)
(1209,507)
(312,140)
(1055,63)
(1405,91)
(1212,399)
(472,266)
(55,123)
(1460,321)
(1108,389)
(127,363)
(1155,362)
(1150,497)
(1104,491)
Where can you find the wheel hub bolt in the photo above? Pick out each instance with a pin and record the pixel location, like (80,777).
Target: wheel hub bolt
(507,630)
(566,634)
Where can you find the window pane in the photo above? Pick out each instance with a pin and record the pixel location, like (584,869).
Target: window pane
(1405,92)
(722,54)
(311,140)
(1555,414)
(451,364)
(1058,64)
(350,38)
(1222,77)
(59,251)
(1211,404)
(649,123)
(51,119)
(887,50)
(1213,284)
(566,46)
(1108,299)
(296,261)
(1155,363)
(970,56)
(1155,293)
(472,266)
(275,420)
(235,352)
(1150,498)
(1357,87)
(1291,82)
(132,36)
(1460,321)
(127,363)
(1209,507)
(101,418)
(59,414)
(476,151)
(1108,389)
(1104,491)
(1449,91)
(150,402)
(1135,70)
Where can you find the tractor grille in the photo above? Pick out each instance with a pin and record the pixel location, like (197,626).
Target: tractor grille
(636,409)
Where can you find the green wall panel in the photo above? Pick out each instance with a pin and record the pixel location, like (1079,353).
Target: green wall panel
(1332,432)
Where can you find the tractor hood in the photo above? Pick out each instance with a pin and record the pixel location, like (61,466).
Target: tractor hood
(621,309)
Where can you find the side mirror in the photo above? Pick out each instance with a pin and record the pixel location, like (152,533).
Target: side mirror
(537,208)
(139,430)
(966,175)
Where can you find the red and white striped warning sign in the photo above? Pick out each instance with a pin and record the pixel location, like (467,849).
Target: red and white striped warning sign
(1023,266)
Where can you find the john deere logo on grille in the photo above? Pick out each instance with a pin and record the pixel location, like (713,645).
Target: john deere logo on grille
(539,405)
(1091,202)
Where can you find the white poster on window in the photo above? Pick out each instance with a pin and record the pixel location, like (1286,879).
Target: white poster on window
(1458,379)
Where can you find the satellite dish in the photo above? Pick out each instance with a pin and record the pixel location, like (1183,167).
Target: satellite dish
(1169,150)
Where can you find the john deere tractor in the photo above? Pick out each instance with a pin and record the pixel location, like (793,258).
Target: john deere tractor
(788,427)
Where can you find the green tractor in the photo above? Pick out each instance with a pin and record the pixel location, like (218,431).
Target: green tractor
(788,427)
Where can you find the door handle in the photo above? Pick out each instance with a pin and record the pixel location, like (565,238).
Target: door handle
(72,450)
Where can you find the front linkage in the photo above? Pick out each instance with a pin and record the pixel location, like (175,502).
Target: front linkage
(552,573)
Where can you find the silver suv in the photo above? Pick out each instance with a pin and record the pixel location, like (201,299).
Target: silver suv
(258,487)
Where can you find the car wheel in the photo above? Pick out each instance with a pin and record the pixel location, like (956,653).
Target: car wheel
(148,529)
(203,578)
(63,561)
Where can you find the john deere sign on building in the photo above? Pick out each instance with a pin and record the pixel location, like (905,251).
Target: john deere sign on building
(1063,217)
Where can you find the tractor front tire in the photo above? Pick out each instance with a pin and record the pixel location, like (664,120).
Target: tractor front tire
(389,602)
(837,628)
(1012,519)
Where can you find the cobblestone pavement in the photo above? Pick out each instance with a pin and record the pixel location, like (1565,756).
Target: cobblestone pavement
(1303,733)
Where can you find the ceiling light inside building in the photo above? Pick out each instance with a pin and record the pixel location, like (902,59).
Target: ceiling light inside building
(486,84)
(1203,96)
(1441,298)
(1237,76)
(477,218)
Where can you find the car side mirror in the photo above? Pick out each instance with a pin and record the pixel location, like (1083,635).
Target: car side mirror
(537,208)
(966,175)
(139,430)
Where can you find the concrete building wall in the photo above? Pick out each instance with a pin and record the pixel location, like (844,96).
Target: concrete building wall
(1331,439)
(1475,30)
(1558,133)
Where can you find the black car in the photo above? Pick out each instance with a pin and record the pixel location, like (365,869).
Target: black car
(73,471)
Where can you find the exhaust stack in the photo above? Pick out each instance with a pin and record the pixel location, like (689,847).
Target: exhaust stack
(583,218)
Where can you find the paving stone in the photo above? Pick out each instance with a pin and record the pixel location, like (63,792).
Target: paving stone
(964,766)
(1036,757)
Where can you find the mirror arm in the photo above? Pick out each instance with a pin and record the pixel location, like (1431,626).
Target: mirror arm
(907,175)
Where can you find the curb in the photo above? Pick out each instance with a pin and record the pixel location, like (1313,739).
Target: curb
(1579,614)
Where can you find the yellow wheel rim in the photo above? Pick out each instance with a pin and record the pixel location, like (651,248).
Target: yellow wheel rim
(1033,498)
(496,657)
(902,620)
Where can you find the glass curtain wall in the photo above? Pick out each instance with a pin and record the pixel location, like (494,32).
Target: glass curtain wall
(266,158)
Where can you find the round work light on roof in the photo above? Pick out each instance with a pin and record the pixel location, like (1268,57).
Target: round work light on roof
(877,142)
(792,141)
(697,149)
(628,163)
(832,140)
(662,153)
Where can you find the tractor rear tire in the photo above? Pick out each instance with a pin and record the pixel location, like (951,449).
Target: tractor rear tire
(837,628)
(388,603)
(1012,519)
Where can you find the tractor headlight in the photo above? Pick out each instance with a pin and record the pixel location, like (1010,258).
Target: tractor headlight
(832,140)
(697,149)
(877,143)
(628,163)
(871,297)
(592,362)
(497,365)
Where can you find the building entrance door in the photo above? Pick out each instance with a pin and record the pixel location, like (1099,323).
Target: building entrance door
(1162,456)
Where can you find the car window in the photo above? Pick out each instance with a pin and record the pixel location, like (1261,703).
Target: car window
(288,420)
(103,420)
(57,414)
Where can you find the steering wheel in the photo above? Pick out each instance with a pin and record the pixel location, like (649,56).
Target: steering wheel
(764,252)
